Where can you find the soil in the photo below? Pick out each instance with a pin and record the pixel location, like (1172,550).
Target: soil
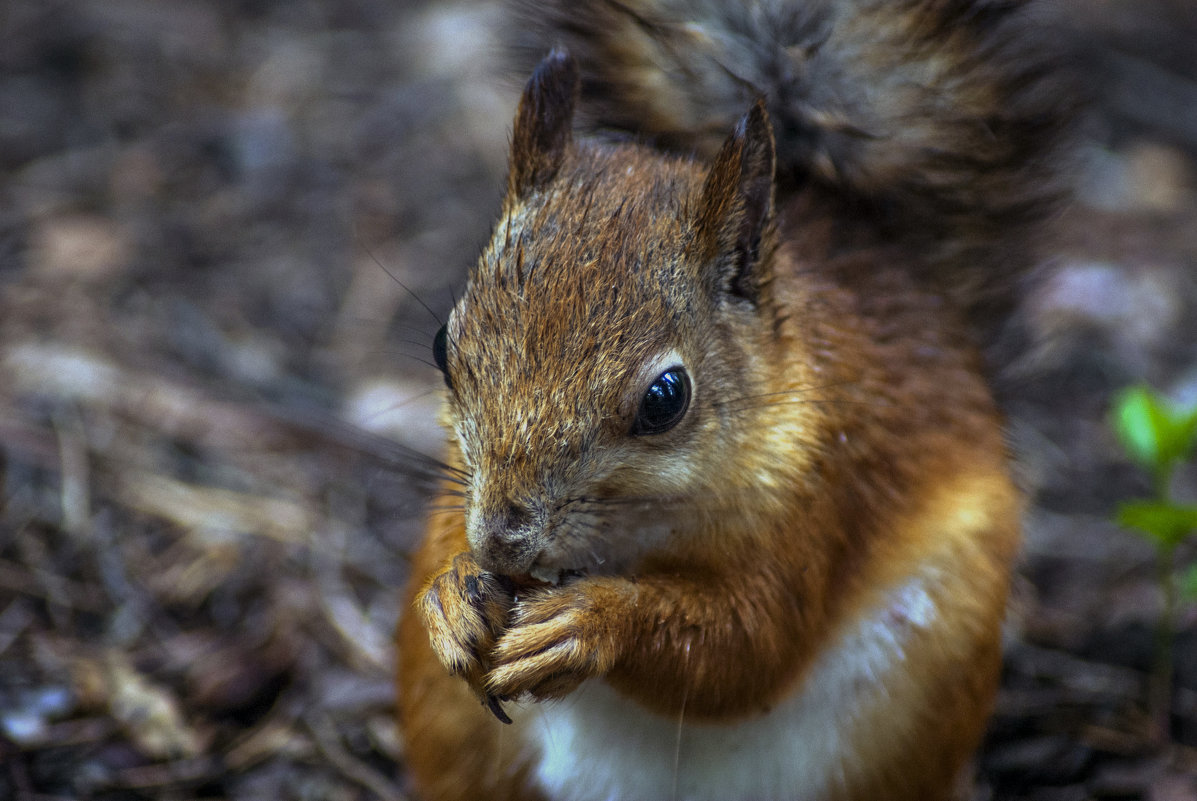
(228,231)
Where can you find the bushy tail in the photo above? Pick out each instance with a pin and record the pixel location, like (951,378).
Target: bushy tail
(938,118)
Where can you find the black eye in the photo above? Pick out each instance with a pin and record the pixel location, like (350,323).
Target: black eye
(440,352)
(664,403)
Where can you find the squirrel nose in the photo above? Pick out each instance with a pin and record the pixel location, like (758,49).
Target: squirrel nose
(505,540)
(518,515)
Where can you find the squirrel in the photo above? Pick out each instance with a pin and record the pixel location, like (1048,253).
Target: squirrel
(728,510)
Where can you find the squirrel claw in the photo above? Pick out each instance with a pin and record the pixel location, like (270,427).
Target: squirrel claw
(465,610)
(493,703)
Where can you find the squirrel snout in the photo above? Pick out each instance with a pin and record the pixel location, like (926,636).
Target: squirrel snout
(517,515)
(506,540)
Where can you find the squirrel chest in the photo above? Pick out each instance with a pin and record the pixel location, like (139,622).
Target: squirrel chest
(596,744)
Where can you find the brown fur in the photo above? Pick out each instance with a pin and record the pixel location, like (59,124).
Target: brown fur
(840,439)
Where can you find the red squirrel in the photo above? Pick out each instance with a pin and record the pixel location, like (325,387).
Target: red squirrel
(728,512)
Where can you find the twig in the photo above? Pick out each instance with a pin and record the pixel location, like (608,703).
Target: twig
(351,767)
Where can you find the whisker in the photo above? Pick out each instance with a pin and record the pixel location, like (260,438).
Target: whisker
(812,402)
(420,343)
(421,361)
(399,405)
(795,390)
(415,329)
(405,287)
(374,321)
(387,450)
(438,509)
(650,502)
(677,743)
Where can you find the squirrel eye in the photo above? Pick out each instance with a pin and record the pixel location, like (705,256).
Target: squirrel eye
(664,403)
(440,352)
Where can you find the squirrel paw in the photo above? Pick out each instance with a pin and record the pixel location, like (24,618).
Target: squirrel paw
(556,639)
(465,610)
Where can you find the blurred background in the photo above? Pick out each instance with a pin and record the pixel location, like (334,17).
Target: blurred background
(227,233)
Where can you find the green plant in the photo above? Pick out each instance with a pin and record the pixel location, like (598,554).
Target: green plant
(1159,435)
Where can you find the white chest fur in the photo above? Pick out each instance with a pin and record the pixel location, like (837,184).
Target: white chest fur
(600,746)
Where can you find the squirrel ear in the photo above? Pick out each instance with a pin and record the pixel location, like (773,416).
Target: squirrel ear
(543,124)
(737,203)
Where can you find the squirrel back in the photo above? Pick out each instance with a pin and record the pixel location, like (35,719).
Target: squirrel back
(938,123)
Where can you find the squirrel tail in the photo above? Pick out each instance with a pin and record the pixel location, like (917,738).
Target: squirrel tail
(940,119)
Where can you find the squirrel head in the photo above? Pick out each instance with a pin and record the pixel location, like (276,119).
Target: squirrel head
(612,318)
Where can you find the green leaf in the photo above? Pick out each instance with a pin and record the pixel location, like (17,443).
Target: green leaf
(1188,583)
(1139,423)
(1154,432)
(1186,425)
(1165,524)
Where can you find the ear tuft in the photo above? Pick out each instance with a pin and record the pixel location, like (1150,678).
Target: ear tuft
(737,204)
(543,124)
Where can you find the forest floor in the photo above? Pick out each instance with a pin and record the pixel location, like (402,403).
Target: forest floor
(227,234)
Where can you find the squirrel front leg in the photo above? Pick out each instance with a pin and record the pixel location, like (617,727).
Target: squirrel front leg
(465,610)
(560,636)
(671,640)
(543,646)
(674,641)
